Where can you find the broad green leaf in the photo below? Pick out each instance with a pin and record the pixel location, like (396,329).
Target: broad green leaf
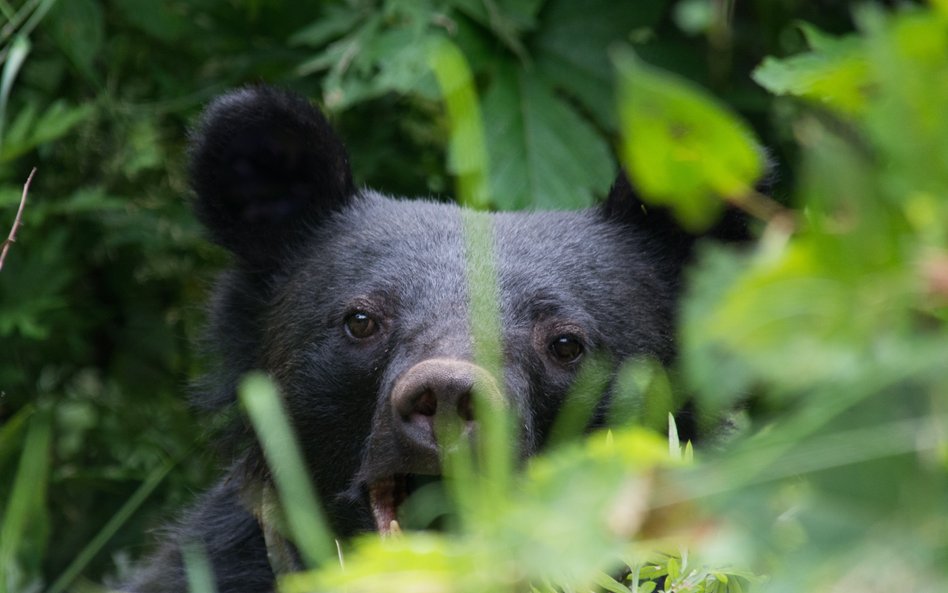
(508,20)
(542,152)
(680,147)
(571,48)
(513,17)
(835,73)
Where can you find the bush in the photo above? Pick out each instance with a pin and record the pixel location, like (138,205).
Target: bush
(828,336)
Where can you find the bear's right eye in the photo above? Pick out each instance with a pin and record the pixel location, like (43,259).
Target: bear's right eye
(567,348)
(360,325)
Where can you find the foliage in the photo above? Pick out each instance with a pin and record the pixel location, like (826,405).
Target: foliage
(829,332)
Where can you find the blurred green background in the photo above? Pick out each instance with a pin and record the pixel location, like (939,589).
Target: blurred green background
(101,296)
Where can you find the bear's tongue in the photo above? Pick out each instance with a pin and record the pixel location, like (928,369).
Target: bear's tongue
(385,496)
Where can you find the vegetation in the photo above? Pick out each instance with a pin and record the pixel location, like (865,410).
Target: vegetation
(829,335)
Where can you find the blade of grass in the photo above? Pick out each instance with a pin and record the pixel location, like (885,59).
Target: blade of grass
(128,509)
(198,568)
(305,519)
(468,160)
(28,495)
(10,433)
(581,401)
(496,422)
(467,153)
(14,19)
(19,49)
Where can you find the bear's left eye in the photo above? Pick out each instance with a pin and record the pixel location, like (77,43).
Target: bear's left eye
(360,325)
(566,348)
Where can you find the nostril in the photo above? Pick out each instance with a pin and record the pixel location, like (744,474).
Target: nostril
(465,407)
(426,404)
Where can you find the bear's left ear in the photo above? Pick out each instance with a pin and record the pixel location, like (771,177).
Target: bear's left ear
(266,166)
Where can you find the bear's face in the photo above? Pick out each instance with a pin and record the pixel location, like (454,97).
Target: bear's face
(358,304)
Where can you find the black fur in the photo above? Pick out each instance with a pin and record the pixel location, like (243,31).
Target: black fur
(273,186)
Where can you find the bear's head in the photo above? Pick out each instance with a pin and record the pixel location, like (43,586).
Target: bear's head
(357,304)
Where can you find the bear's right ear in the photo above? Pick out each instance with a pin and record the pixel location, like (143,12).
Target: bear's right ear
(658,223)
(266,166)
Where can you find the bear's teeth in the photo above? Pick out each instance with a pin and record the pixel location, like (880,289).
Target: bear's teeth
(385,496)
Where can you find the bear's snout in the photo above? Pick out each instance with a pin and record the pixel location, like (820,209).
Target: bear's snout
(435,399)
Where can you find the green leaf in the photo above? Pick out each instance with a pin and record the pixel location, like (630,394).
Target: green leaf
(78,27)
(610,584)
(682,148)
(508,20)
(647,587)
(542,152)
(571,47)
(674,445)
(835,74)
(385,53)
(674,569)
(30,130)
(337,21)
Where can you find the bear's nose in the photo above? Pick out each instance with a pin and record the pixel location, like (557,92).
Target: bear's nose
(435,397)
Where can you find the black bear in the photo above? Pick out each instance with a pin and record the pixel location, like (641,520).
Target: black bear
(356,304)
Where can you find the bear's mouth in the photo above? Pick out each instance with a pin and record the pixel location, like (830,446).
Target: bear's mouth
(387,495)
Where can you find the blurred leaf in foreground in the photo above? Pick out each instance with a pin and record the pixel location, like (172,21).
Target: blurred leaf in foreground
(835,73)
(681,147)
(568,519)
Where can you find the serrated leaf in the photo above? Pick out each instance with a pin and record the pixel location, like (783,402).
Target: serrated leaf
(572,43)
(681,147)
(383,54)
(508,20)
(542,152)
